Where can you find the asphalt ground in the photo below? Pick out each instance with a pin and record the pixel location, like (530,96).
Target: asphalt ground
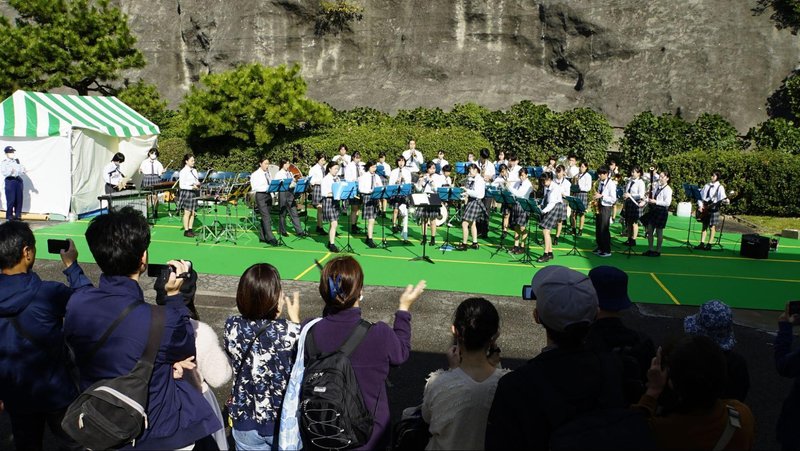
(520,338)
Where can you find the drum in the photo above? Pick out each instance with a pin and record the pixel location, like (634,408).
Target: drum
(273,171)
(295,171)
(442,216)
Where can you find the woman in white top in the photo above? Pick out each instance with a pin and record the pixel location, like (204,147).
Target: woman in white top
(315,175)
(383,171)
(456,402)
(519,217)
(428,184)
(399,176)
(502,182)
(501,158)
(566,187)
(189,185)
(474,210)
(367,183)
(552,209)
(584,186)
(656,217)
(330,207)
(151,170)
(633,205)
(112,174)
(439,161)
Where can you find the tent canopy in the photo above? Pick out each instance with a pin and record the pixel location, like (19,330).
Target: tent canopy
(36,114)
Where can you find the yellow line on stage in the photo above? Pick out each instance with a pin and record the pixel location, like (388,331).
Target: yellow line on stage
(719,276)
(671,296)
(299,276)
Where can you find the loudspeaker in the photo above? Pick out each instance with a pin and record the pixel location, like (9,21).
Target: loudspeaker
(754,246)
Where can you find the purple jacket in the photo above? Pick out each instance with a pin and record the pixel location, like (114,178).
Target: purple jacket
(380,349)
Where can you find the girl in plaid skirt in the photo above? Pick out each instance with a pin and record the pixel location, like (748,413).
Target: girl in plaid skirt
(712,196)
(633,203)
(584,186)
(330,206)
(315,174)
(656,217)
(426,215)
(476,189)
(519,217)
(552,210)
(151,170)
(189,184)
(366,185)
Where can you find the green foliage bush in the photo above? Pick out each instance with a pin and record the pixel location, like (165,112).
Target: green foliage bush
(583,132)
(145,100)
(712,132)
(648,137)
(765,182)
(777,134)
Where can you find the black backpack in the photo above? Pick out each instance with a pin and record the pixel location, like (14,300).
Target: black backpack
(332,411)
(111,413)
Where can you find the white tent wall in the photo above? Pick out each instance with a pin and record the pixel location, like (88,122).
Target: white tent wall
(91,151)
(46,183)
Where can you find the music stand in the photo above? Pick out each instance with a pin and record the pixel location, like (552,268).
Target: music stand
(300,188)
(380,193)
(423,200)
(279,186)
(532,208)
(448,195)
(577,206)
(461,167)
(348,192)
(692,193)
(502,197)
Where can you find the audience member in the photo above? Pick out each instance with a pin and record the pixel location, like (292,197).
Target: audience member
(340,286)
(565,380)
(702,418)
(787,363)
(609,333)
(456,402)
(715,321)
(261,347)
(36,384)
(178,416)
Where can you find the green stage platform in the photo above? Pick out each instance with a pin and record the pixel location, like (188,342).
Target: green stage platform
(679,276)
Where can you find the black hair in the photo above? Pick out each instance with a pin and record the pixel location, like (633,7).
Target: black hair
(369,164)
(439,151)
(330,165)
(471,166)
(319,156)
(153,151)
(446,168)
(118,240)
(612,161)
(636,168)
(583,163)
(14,236)
(552,157)
(602,170)
(343,145)
(666,172)
(484,153)
(522,171)
(572,155)
(399,157)
(382,154)
(560,168)
(698,370)
(356,154)
(497,153)
(476,322)
(430,164)
(502,166)
(282,161)
(718,173)
(118,157)
(571,337)
(546,176)
(187,157)
(513,157)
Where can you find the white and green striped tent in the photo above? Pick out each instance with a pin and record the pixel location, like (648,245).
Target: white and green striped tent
(65,140)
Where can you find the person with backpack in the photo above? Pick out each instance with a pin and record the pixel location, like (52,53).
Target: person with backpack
(341,284)
(177,414)
(702,419)
(35,381)
(609,334)
(261,348)
(562,386)
(456,402)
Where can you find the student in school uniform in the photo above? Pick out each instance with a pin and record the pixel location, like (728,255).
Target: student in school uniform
(352,172)
(386,168)
(287,202)
(315,174)
(605,197)
(112,174)
(330,207)
(439,161)
(711,197)
(399,176)
(188,191)
(633,204)
(572,167)
(657,213)
(487,171)
(502,182)
(561,183)
(151,170)
(474,210)
(12,172)
(342,158)
(552,211)
(519,217)
(259,183)
(428,184)
(367,183)
(584,186)
(500,158)
(413,159)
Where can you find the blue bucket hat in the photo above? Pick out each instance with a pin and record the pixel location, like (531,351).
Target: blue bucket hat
(611,285)
(715,321)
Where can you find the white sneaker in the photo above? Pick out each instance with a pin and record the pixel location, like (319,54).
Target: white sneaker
(604,254)
(596,251)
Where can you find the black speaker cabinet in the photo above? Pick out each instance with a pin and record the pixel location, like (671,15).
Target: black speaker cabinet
(754,246)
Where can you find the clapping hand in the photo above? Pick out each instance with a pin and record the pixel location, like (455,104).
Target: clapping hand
(410,295)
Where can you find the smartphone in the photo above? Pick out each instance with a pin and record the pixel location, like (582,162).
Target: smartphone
(794,307)
(55,246)
(155,269)
(527,293)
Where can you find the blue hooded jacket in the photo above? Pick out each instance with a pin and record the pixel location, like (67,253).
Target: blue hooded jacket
(32,378)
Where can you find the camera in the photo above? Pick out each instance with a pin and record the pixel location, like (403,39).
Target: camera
(527,293)
(55,246)
(156,269)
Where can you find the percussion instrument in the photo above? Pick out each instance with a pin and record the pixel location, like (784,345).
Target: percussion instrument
(295,171)
(442,216)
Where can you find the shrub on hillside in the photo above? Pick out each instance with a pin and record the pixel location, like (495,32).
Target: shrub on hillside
(777,134)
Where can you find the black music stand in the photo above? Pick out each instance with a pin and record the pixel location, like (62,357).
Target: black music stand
(502,197)
(692,193)
(349,192)
(300,188)
(448,195)
(532,208)
(279,186)
(380,193)
(578,208)
(425,201)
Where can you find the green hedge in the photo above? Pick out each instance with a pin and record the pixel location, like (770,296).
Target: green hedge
(766,182)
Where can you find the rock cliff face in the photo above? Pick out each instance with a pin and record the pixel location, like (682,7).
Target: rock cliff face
(620,57)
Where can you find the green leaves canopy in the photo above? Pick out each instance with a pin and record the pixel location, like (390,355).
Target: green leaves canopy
(252,104)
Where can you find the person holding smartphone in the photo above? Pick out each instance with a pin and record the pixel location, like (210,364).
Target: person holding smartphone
(787,362)
(35,384)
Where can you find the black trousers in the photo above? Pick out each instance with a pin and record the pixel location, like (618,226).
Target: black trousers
(28,430)
(602,231)
(288,206)
(13,198)
(263,202)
